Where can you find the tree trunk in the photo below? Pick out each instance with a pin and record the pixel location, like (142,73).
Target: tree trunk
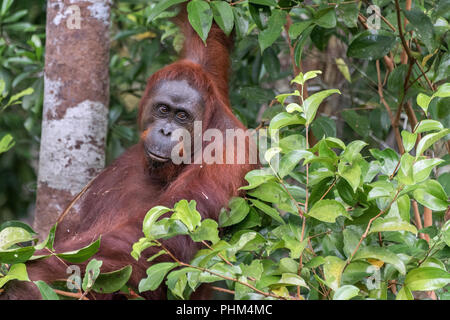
(76,97)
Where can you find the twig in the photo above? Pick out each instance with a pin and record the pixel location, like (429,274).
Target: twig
(181,263)
(331,187)
(71,294)
(222,289)
(369,224)
(394,124)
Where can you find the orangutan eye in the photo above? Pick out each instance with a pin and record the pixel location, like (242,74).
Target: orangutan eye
(182,115)
(163,109)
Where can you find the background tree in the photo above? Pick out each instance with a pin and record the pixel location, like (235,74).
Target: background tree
(76,99)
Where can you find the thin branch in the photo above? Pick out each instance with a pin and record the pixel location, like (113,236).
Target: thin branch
(71,294)
(181,263)
(369,225)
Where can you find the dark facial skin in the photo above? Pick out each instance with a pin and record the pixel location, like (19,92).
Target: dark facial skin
(172,105)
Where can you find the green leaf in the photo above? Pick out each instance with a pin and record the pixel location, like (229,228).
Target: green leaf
(6,143)
(291,107)
(433,263)
(343,68)
(269,3)
(239,210)
(388,158)
(422,168)
(19,95)
(443,91)
(177,284)
(324,127)
(48,242)
(312,103)
(423,27)
(155,275)
(223,15)
(273,213)
(292,142)
(352,174)
(82,254)
(140,246)
(6,4)
(409,140)
(200,16)
(353,150)
(326,18)
(428,125)
(13,235)
(257,177)
(427,279)
(16,272)
(161,7)
(295,247)
(19,255)
(351,240)
(272,152)
(150,218)
(289,161)
(46,291)
(284,119)
(240,22)
(297,28)
(328,210)
(431,194)
(304,36)
(112,281)
(429,140)
(348,13)
(423,101)
(207,231)
(332,269)
(446,232)
(382,254)
(381,188)
(187,213)
(391,224)
(404,294)
(360,124)
(346,292)
(92,272)
(371,45)
(167,228)
(291,279)
(274,27)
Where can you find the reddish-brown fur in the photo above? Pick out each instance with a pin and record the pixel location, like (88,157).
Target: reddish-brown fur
(115,204)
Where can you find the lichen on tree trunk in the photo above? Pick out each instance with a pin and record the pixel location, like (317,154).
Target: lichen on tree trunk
(76,97)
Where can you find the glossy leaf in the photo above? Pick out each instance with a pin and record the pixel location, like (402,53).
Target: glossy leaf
(427,279)
(239,210)
(391,224)
(223,15)
(327,210)
(155,275)
(187,213)
(346,292)
(371,45)
(274,27)
(46,291)
(200,16)
(432,195)
(381,254)
(112,281)
(81,255)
